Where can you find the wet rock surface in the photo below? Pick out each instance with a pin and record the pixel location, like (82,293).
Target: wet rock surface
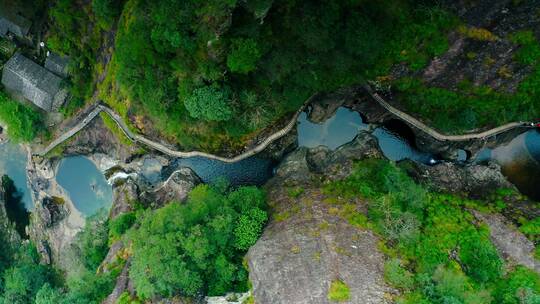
(175,188)
(304,164)
(478,180)
(54,222)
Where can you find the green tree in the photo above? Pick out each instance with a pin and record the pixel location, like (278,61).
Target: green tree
(25,278)
(91,243)
(191,248)
(209,103)
(243,56)
(107,10)
(23,122)
(48,295)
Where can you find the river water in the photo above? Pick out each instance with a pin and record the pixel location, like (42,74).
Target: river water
(85,184)
(343,127)
(13,163)
(90,192)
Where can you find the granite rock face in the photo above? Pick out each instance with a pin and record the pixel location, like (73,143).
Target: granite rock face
(307,248)
(124,195)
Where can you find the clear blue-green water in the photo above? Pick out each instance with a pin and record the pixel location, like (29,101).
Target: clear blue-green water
(85,184)
(13,163)
(250,171)
(345,125)
(334,132)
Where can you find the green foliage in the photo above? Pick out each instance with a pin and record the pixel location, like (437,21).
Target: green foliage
(91,243)
(197,247)
(73,33)
(209,103)
(89,287)
(529,52)
(452,286)
(249,228)
(295,192)
(532,229)
(23,280)
(48,295)
(519,284)
(125,298)
(449,259)
(396,275)
(23,122)
(177,59)
(470,107)
(480,257)
(243,56)
(107,11)
(121,224)
(339,291)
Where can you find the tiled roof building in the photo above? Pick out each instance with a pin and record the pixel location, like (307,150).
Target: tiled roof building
(13,23)
(35,83)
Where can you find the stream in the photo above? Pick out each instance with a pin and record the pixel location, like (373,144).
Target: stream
(89,190)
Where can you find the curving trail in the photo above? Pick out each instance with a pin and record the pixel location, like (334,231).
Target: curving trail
(263,145)
(163,148)
(441,137)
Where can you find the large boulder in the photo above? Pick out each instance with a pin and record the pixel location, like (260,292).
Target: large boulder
(306,247)
(125,194)
(477,180)
(175,188)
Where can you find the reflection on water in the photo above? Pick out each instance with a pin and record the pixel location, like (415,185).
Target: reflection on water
(13,163)
(334,132)
(151,170)
(396,148)
(85,184)
(250,171)
(343,127)
(519,161)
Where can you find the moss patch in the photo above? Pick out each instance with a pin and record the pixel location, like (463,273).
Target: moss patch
(339,291)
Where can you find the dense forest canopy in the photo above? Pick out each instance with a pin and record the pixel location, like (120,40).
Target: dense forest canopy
(210,73)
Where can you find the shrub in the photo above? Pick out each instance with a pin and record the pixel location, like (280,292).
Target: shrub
(91,243)
(23,280)
(452,286)
(48,295)
(480,257)
(396,275)
(529,52)
(121,224)
(243,56)
(107,10)
(23,122)
(531,229)
(249,228)
(209,103)
(520,283)
(339,291)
